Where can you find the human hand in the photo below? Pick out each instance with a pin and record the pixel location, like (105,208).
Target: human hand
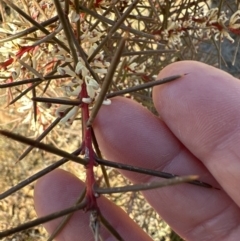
(198,133)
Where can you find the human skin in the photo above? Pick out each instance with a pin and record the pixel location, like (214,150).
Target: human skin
(198,132)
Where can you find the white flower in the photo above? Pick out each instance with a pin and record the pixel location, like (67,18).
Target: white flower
(107,102)
(61,71)
(66,70)
(87,100)
(234,20)
(92,86)
(132,66)
(173,24)
(222,34)
(74,17)
(91,37)
(70,116)
(212,15)
(64,58)
(100,71)
(91,49)
(76,91)
(175,40)
(27,106)
(15,73)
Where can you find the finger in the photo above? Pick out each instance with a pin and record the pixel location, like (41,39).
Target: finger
(202,110)
(128,133)
(60,190)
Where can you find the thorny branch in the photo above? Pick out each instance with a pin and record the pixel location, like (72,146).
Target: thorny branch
(100,50)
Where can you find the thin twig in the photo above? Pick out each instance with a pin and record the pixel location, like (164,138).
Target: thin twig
(122,26)
(44,134)
(32,80)
(29,30)
(67,28)
(148,52)
(109,227)
(43,219)
(43,146)
(49,36)
(146,186)
(99,155)
(33,22)
(113,30)
(57,101)
(65,219)
(148,172)
(31,69)
(145,85)
(107,82)
(33,86)
(37,175)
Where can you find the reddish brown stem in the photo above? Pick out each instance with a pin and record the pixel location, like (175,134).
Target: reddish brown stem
(22,50)
(89,154)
